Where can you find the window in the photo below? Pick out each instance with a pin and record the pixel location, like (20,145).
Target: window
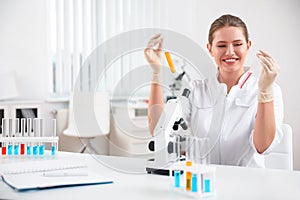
(79,26)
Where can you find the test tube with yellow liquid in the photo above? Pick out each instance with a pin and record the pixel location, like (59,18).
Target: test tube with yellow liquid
(188,176)
(171,65)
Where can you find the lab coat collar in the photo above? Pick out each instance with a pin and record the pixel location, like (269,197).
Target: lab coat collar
(242,81)
(218,91)
(244,77)
(237,92)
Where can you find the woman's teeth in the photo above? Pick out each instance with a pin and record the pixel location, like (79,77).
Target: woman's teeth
(230,60)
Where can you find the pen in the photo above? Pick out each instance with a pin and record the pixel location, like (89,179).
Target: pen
(64,174)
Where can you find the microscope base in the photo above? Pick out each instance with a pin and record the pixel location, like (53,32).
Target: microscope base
(164,172)
(152,168)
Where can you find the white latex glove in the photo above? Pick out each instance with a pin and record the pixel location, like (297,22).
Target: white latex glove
(154,54)
(268,74)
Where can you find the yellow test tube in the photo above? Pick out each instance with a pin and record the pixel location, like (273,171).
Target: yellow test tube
(188,177)
(168,56)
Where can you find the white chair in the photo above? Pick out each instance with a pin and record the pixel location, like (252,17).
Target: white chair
(86,126)
(281,157)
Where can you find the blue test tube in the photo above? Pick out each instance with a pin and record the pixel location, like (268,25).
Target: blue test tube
(53,144)
(29,133)
(41,144)
(10,145)
(194,183)
(206,183)
(35,147)
(16,134)
(177,178)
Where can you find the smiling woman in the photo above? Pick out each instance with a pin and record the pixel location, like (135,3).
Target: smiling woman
(251,125)
(229,49)
(228,44)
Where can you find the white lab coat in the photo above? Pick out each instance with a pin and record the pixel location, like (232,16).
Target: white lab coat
(232,143)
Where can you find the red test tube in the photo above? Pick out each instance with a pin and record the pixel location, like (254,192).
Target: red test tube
(3,148)
(22,150)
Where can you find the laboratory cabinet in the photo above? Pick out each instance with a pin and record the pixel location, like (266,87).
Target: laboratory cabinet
(14,109)
(129,135)
(19,109)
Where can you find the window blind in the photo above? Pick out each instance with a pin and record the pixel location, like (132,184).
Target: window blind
(79,26)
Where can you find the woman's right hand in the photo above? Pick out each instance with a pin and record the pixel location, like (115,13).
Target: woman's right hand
(154,55)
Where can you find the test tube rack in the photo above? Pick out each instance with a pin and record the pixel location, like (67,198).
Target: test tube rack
(199,184)
(16,142)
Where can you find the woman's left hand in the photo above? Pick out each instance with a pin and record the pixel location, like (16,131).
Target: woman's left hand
(269,71)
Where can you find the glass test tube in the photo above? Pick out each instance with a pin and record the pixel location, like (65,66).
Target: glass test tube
(194,183)
(22,149)
(176,147)
(10,143)
(177,174)
(35,147)
(188,148)
(188,177)
(207,182)
(41,144)
(16,134)
(54,144)
(4,134)
(29,134)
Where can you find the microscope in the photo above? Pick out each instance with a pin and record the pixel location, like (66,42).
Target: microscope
(166,141)
(177,83)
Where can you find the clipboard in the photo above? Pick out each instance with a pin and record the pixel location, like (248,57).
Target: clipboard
(31,175)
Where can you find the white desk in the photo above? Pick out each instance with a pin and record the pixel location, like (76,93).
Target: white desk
(231,183)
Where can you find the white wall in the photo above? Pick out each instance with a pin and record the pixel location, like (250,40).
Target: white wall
(23,39)
(273,26)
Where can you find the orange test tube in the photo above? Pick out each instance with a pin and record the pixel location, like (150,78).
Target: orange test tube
(168,56)
(188,177)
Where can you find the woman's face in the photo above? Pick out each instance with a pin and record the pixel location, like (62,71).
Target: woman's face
(229,49)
